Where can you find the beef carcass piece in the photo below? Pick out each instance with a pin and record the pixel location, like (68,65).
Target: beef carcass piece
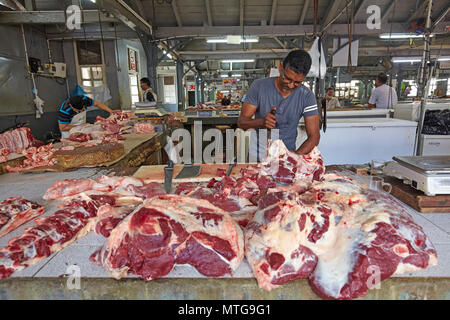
(168,230)
(289,168)
(68,188)
(50,234)
(42,156)
(120,118)
(346,238)
(18,140)
(238,206)
(16,211)
(80,137)
(143,127)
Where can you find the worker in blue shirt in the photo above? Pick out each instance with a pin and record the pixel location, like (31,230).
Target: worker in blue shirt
(72,112)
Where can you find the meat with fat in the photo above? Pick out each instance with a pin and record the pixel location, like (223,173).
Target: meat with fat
(16,211)
(341,236)
(169,230)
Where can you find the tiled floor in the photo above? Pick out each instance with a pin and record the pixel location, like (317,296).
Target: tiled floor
(31,186)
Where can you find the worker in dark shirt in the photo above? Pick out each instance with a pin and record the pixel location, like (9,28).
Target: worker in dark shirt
(226,101)
(280,103)
(72,112)
(148,94)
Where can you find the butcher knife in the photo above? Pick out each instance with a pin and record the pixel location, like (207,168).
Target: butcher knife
(168,174)
(230,168)
(189,171)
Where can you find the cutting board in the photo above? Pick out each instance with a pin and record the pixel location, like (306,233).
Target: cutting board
(132,141)
(209,171)
(417,199)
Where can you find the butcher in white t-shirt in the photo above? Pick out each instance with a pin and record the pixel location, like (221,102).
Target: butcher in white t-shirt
(383,96)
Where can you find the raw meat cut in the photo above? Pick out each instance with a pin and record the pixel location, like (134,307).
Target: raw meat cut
(50,235)
(289,168)
(109,216)
(339,234)
(168,230)
(36,157)
(67,188)
(143,127)
(16,141)
(121,118)
(16,211)
(281,170)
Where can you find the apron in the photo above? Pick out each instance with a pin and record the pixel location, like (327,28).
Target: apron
(77,120)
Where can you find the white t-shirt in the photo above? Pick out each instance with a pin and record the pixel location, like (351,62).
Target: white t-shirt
(384,97)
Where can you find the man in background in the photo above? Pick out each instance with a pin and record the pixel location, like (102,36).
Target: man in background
(331,101)
(148,94)
(383,96)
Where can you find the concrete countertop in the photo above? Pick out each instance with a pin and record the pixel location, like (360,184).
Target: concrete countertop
(33,186)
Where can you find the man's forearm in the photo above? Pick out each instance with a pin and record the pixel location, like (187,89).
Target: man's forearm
(308,145)
(65,127)
(245,123)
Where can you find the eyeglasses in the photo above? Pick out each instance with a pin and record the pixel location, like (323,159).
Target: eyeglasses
(289,80)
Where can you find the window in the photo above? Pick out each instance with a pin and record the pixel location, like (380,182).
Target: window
(134,88)
(90,65)
(170,93)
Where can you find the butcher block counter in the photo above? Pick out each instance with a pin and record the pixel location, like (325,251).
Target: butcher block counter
(47,280)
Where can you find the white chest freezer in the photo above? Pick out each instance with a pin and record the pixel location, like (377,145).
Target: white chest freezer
(359,141)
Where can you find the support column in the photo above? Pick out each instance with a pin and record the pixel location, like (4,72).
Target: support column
(151,53)
(202,90)
(180,86)
(197,91)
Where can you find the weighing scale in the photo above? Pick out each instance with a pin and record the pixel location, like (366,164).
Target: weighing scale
(149,109)
(430,174)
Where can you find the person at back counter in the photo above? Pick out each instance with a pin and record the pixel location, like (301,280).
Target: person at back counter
(73,113)
(383,96)
(331,101)
(147,92)
(289,99)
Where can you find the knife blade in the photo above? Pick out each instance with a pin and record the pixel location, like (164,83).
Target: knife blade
(230,168)
(168,175)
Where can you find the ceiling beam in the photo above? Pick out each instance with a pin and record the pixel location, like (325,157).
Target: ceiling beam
(176,13)
(140,8)
(304,11)
(280,42)
(97,34)
(387,13)
(13,4)
(440,17)
(274,31)
(241,12)
(331,11)
(49,17)
(126,14)
(208,12)
(274,12)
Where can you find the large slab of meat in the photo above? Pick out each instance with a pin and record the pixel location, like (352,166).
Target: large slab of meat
(341,236)
(120,118)
(36,157)
(17,140)
(16,211)
(143,127)
(169,230)
(49,235)
(281,170)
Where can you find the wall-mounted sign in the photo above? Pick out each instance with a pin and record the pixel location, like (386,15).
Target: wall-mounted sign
(132,63)
(229,82)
